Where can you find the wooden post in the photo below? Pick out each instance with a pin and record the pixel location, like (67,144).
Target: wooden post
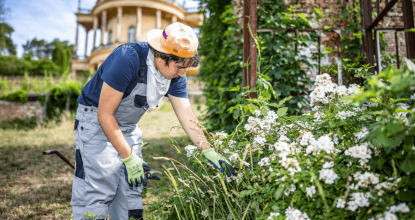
(245,78)
(408,18)
(253,48)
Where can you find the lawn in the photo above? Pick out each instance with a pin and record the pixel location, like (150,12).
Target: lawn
(34,186)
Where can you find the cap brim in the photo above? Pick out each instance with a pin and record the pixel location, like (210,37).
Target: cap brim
(154,40)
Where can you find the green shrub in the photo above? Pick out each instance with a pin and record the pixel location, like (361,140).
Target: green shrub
(45,66)
(4,85)
(25,85)
(19,124)
(12,66)
(221,67)
(351,157)
(56,102)
(18,96)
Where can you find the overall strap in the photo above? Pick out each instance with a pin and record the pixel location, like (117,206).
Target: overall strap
(142,54)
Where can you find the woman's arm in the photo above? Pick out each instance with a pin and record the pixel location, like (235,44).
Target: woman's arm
(109,101)
(187,119)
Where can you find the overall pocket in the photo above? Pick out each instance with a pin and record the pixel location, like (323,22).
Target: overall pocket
(141,102)
(78,184)
(86,131)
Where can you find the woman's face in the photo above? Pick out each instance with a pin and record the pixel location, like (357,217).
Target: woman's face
(173,69)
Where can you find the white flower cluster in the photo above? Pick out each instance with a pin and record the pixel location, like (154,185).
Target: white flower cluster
(189,149)
(204,213)
(360,151)
(310,191)
(366,178)
(285,149)
(326,90)
(390,215)
(276,214)
(345,114)
(259,140)
(295,214)
(288,191)
(359,135)
(222,135)
(328,175)
(341,203)
(359,199)
(264,162)
(402,208)
(234,157)
(327,165)
(324,143)
(412,97)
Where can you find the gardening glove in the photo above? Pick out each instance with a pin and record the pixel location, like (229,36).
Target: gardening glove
(218,161)
(134,170)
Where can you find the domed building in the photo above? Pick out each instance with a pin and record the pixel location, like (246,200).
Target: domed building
(123,21)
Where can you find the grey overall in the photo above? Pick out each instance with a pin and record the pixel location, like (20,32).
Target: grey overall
(99,184)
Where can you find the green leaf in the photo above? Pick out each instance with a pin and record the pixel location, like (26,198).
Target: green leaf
(394,127)
(282,111)
(326,27)
(380,162)
(408,165)
(406,196)
(236,88)
(278,193)
(285,100)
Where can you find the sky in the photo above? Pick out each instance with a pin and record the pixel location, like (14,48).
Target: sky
(51,19)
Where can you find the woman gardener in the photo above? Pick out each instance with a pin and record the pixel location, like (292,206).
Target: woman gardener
(109,173)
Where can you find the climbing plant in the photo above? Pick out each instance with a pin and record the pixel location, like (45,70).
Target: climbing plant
(221,49)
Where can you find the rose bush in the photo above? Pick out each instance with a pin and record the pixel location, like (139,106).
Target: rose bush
(351,157)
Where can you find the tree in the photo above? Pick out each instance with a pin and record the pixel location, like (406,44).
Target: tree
(6,43)
(43,49)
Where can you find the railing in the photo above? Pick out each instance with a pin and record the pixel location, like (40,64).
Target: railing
(84,11)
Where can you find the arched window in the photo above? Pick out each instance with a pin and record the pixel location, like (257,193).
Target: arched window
(131,34)
(110,38)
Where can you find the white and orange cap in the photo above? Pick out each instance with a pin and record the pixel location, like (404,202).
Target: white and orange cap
(177,39)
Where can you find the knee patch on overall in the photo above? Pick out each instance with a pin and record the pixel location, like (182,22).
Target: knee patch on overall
(137,214)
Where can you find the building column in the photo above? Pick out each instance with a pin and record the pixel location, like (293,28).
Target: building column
(173,19)
(139,21)
(103,25)
(95,26)
(75,47)
(158,19)
(86,41)
(119,20)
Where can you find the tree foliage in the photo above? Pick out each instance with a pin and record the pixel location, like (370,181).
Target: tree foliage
(6,42)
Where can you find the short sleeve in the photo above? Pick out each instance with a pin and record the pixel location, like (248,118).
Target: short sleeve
(120,68)
(178,88)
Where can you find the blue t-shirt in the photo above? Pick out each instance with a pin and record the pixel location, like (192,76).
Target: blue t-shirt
(120,71)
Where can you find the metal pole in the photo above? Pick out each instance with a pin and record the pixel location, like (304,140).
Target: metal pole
(253,21)
(378,67)
(398,65)
(246,44)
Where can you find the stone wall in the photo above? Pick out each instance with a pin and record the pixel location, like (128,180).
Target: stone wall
(10,110)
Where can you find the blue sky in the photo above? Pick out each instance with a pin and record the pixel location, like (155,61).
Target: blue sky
(50,19)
